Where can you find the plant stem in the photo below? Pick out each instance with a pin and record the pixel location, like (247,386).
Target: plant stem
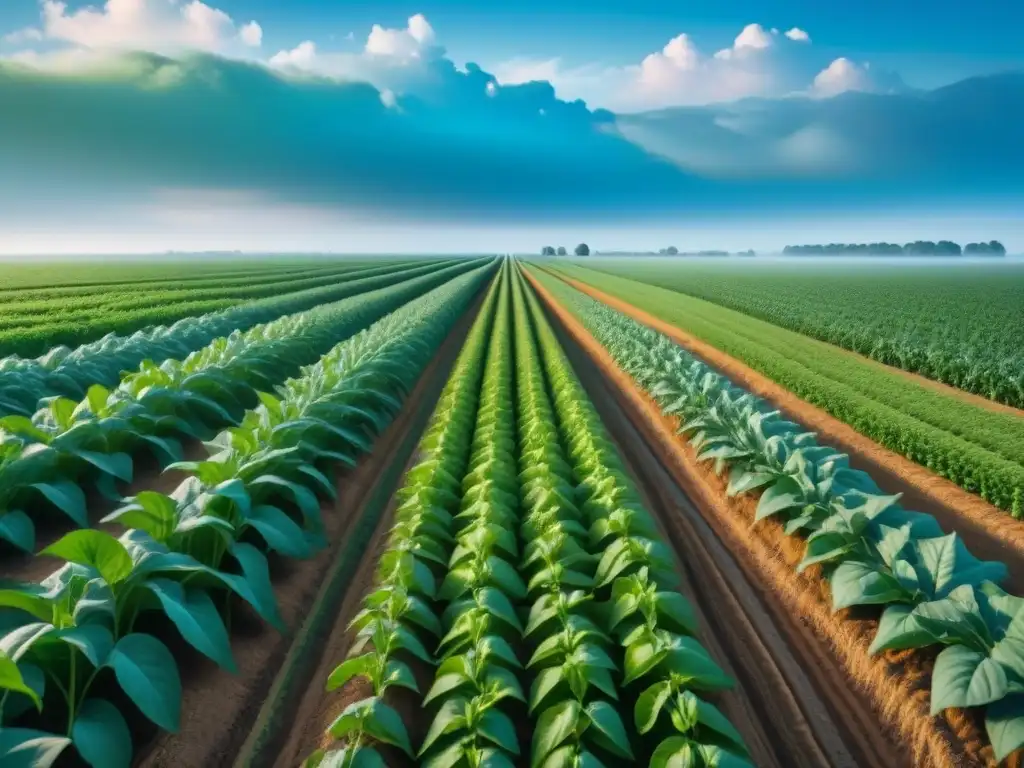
(71,692)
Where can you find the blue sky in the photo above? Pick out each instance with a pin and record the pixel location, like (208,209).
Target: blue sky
(186,123)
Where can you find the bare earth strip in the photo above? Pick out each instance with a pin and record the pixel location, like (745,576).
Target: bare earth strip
(987,530)
(833,647)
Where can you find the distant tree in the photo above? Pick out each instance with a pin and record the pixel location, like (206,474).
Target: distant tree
(582,249)
(561,250)
(991,248)
(547,250)
(672,251)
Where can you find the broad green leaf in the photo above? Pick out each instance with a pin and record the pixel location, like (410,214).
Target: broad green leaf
(607,722)
(101,735)
(117,465)
(714,756)
(398,673)
(857,583)
(709,716)
(67,497)
(353,667)
(784,494)
(18,529)
(963,677)
(149,511)
(650,704)
(384,724)
(448,719)
(256,574)
(554,726)
(899,629)
(675,752)
(11,680)
(27,601)
(94,641)
(280,531)
(147,672)
(196,617)
(95,549)
(1004,723)
(445,684)
(499,729)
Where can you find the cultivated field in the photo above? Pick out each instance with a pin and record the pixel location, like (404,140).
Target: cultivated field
(460,513)
(953,323)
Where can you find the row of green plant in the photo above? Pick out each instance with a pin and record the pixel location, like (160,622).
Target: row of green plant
(398,615)
(69,372)
(45,459)
(43,278)
(509,582)
(609,596)
(979,450)
(930,590)
(126,300)
(946,322)
(72,653)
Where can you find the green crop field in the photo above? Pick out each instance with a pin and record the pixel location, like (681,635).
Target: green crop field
(980,450)
(398,513)
(961,324)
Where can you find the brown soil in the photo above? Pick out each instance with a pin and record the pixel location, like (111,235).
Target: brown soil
(989,532)
(219,709)
(871,704)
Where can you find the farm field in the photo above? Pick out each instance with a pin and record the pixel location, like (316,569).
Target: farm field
(33,321)
(978,449)
(948,322)
(460,513)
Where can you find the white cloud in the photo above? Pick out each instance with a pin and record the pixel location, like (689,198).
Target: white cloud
(840,76)
(408,43)
(760,62)
(252,34)
(301,56)
(391,59)
(153,25)
(753,36)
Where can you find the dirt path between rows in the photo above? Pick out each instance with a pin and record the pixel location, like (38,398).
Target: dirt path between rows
(878,705)
(989,532)
(219,710)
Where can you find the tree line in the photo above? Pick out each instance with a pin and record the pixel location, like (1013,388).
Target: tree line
(549,250)
(917,248)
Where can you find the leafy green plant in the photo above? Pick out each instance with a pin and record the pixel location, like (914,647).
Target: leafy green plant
(211,388)
(70,372)
(931,589)
(653,625)
(398,616)
(186,547)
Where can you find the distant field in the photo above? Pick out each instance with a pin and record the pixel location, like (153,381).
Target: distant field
(33,320)
(961,324)
(980,450)
(97,271)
